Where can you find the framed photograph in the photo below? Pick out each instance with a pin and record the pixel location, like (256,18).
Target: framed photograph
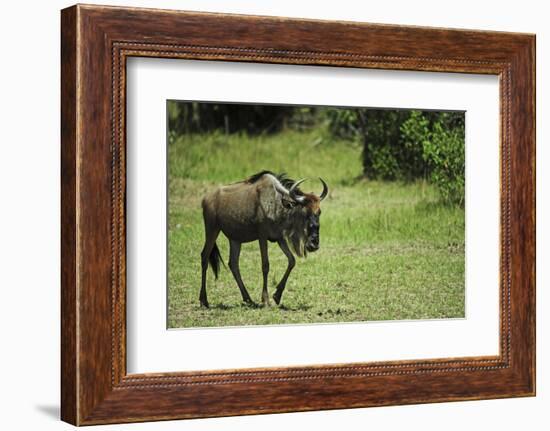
(266,215)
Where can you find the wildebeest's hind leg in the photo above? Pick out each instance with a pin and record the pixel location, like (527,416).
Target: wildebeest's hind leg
(265,270)
(211,234)
(291,262)
(234,253)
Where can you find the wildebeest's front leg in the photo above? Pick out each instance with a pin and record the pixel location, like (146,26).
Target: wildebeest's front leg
(265,270)
(234,253)
(291,262)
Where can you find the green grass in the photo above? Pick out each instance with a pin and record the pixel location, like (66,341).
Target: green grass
(388,250)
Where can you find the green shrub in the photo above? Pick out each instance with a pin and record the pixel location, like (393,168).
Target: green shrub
(442,144)
(415,134)
(444,153)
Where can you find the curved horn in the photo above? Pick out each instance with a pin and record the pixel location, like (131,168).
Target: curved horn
(325,190)
(292,191)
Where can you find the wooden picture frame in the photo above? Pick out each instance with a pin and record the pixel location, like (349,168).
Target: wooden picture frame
(95,43)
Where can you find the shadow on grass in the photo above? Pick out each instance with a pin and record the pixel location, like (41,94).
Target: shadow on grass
(222,306)
(255,306)
(300,307)
(337,312)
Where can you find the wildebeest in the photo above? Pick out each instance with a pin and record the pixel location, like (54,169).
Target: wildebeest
(264,207)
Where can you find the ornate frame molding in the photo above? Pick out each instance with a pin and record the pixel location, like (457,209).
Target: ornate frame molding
(96,41)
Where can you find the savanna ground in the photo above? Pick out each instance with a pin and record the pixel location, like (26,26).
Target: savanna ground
(388,251)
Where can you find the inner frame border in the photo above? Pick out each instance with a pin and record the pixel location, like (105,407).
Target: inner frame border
(121,50)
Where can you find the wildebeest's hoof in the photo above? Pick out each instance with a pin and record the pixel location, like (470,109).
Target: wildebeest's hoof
(277,299)
(249,302)
(204,304)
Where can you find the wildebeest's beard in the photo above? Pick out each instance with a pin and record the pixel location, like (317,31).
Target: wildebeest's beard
(296,232)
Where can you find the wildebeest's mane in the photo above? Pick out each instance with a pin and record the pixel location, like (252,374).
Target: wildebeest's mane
(282,177)
(295,232)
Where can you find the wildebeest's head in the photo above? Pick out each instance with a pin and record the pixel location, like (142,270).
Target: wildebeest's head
(304,218)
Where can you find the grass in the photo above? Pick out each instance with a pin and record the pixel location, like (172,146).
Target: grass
(388,250)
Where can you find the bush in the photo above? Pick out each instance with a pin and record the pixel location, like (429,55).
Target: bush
(415,134)
(442,144)
(407,145)
(444,153)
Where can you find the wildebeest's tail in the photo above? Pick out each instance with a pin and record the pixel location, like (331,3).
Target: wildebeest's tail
(215,258)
